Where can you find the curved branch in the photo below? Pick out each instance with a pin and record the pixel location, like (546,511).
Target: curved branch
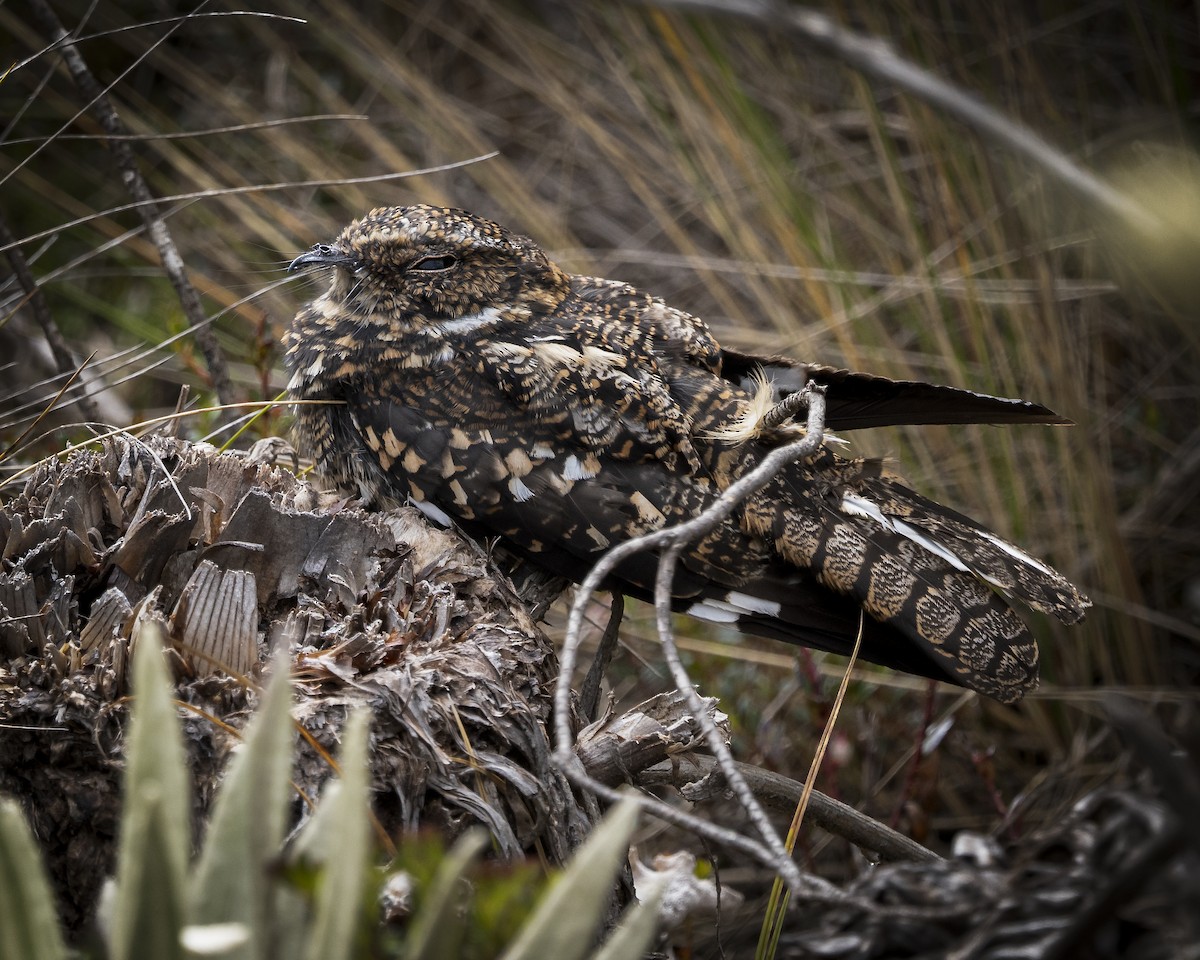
(672,541)
(783,793)
(172,262)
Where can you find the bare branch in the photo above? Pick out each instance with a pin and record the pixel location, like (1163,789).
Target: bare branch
(63,358)
(782,793)
(672,541)
(172,262)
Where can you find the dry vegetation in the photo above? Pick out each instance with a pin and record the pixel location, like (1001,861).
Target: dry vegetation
(798,206)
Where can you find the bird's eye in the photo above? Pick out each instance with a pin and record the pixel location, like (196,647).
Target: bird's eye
(432,264)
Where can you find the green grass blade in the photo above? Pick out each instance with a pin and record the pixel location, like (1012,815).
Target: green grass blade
(232,879)
(435,933)
(639,923)
(30,928)
(565,921)
(155,837)
(345,837)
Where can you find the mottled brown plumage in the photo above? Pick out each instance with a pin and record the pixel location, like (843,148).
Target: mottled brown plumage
(473,377)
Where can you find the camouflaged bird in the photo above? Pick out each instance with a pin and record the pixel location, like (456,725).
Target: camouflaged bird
(474,378)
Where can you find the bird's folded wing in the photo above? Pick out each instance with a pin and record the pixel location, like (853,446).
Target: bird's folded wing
(860,400)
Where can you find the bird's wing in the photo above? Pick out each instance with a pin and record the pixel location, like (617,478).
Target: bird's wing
(579,430)
(565,505)
(859,400)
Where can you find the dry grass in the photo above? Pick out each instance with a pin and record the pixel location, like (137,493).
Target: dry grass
(795,205)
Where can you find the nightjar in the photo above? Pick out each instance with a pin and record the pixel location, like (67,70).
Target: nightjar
(468,374)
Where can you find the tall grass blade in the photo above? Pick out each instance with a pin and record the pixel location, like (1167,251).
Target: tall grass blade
(564,923)
(232,881)
(346,839)
(30,928)
(155,834)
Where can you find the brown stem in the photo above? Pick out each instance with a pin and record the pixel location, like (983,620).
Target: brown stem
(63,358)
(589,696)
(873,56)
(126,162)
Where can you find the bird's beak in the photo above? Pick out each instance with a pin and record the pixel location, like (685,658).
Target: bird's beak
(323,255)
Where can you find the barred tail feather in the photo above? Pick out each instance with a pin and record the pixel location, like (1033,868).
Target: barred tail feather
(971,547)
(927,572)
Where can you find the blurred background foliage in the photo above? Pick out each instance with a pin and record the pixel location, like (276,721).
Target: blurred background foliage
(796,205)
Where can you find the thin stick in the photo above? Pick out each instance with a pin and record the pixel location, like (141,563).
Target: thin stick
(783,793)
(810,887)
(126,162)
(63,358)
(784,865)
(672,540)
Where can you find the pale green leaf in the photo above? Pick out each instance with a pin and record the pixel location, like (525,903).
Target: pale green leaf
(345,838)
(436,932)
(232,882)
(155,836)
(30,926)
(564,923)
(638,924)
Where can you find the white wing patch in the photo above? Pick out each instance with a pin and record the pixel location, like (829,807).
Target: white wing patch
(433,512)
(858,506)
(1020,555)
(710,611)
(574,470)
(748,604)
(519,490)
(733,606)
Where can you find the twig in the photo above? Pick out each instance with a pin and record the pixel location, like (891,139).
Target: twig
(126,162)
(782,793)
(671,541)
(810,887)
(1117,888)
(784,410)
(259,188)
(874,56)
(664,580)
(589,694)
(63,359)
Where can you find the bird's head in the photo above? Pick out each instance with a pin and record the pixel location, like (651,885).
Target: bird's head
(424,265)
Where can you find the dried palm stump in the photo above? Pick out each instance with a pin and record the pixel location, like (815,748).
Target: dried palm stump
(231,559)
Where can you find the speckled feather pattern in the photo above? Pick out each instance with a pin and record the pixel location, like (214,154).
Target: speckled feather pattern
(470,375)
